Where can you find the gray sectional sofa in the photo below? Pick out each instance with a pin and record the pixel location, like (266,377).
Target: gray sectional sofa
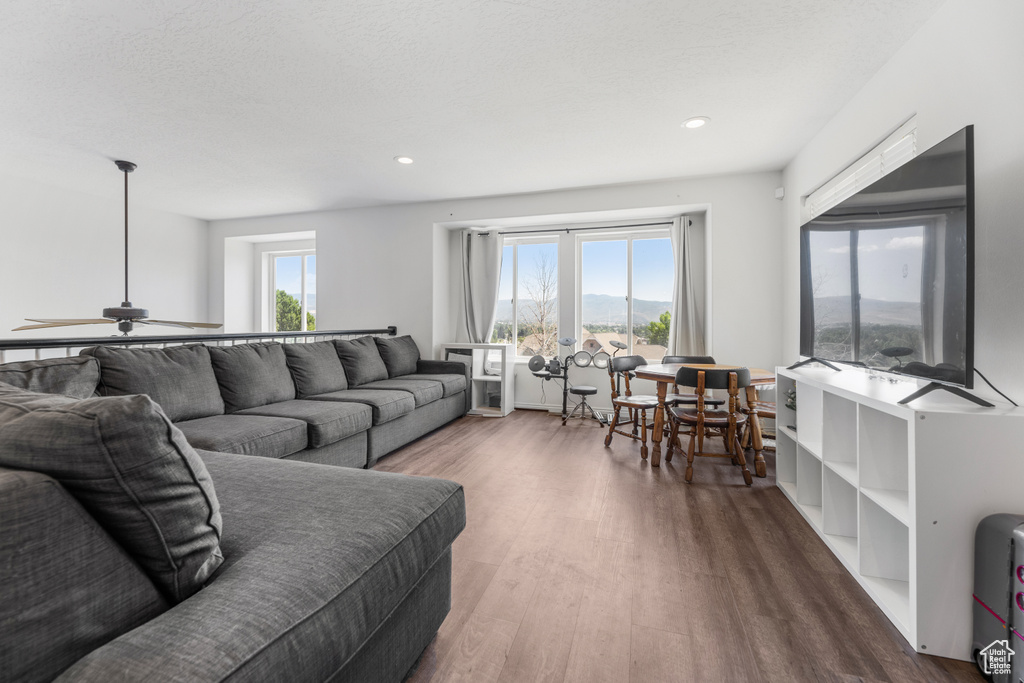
(142,540)
(343,402)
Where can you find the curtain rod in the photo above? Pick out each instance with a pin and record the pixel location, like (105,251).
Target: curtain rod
(568,230)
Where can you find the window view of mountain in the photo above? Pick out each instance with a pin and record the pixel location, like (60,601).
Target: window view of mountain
(605,310)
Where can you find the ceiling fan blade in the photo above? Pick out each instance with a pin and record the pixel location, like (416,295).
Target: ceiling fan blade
(61,324)
(72,321)
(180,323)
(163,323)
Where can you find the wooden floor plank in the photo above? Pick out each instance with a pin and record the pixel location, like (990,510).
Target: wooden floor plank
(480,651)
(664,657)
(602,638)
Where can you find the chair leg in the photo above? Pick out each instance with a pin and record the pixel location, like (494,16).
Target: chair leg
(689,459)
(611,430)
(643,434)
(750,442)
(747,479)
(728,447)
(673,441)
(700,439)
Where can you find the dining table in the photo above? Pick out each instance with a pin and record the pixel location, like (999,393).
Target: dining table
(665,374)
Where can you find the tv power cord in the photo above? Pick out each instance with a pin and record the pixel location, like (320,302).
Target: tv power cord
(994,389)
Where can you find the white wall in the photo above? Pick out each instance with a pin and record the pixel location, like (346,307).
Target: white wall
(965,66)
(62,256)
(387,265)
(240,266)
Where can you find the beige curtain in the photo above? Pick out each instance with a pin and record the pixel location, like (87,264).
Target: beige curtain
(686,330)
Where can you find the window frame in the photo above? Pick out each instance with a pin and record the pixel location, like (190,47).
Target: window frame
(611,235)
(515,243)
(270,292)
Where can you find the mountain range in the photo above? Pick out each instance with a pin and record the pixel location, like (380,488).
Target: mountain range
(599,309)
(833,310)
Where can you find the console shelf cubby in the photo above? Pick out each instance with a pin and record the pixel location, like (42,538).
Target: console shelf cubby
(491,395)
(896,491)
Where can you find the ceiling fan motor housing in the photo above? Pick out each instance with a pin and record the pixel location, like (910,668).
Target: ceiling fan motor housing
(125,310)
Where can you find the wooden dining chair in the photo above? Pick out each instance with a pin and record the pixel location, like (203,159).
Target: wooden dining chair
(700,417)
(621,369)
(676,396)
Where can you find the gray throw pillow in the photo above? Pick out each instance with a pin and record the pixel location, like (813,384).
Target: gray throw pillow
(124,461)
(399,354)
(179,378)
(68,587)
(315,368)
(361,360)
(252,375)
(76,376)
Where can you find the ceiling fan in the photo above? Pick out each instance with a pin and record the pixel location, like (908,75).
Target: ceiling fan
(126,316)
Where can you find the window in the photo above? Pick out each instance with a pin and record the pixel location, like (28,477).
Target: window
(292,301)
(625,293)
(527,312)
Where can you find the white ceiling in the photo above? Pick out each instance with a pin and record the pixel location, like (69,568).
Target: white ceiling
(252,107)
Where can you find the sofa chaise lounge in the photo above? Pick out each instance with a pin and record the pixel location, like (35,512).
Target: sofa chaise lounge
(130,555)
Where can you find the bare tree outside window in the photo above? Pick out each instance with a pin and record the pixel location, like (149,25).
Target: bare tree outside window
(538,307)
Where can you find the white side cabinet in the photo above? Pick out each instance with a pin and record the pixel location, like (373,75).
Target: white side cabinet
(492,384)
(896,491)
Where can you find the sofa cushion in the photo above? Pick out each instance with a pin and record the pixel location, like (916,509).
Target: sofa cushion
(252,375)
(317,558)
(268,437)
(179,378)
(386,404)
(131,469)
(399,354)
(452,384)
(328,421)
(361,360)
(77,376)
(68,587)
(423,391)
(315,368)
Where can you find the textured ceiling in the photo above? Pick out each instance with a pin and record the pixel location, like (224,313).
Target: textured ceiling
(252,107)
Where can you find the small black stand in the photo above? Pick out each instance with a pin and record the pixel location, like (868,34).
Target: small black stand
(933,386)
(812,359)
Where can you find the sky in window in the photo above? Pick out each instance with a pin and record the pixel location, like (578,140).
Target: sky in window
(289,275)
(604,268)
(889,262)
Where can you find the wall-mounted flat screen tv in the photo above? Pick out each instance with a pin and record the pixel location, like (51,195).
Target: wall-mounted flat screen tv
(887,276)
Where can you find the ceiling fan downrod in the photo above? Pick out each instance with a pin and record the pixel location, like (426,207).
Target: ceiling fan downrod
(125,310)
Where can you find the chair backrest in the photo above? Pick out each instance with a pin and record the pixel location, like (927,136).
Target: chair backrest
(702,360)
(626,363)
(713,379)
(623,366)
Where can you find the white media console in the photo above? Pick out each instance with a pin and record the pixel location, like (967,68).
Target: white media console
(896,491)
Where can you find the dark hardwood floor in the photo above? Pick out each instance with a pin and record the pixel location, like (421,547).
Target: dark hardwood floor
(583,563)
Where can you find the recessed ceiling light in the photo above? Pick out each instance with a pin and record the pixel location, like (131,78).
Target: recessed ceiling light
(404,160)
(695,122)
